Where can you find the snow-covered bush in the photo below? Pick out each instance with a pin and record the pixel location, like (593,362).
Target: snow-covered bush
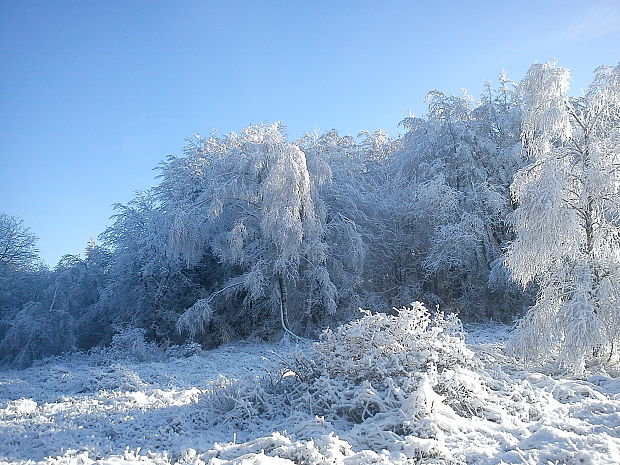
(378,346)
(405,380)
(189,349)
(379,371)
(113,377)
(129,343)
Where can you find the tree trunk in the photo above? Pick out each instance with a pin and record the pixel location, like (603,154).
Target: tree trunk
(283,304)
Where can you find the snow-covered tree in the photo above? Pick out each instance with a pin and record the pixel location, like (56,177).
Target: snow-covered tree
(345,170)
(249,199)
(568,218)
(22,281)
(75,288)
(17,244)
(452,178)
(56,315)
(145,287)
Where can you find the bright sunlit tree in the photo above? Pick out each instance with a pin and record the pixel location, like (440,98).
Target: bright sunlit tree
(568,218)
(250,200)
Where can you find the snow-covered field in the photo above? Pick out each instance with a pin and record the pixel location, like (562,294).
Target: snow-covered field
(81,410)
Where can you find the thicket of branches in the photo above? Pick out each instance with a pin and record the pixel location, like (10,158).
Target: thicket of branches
(483,207)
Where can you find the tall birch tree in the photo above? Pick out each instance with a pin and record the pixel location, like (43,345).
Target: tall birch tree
(567,222)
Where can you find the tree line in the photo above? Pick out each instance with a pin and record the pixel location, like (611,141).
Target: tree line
(503,207)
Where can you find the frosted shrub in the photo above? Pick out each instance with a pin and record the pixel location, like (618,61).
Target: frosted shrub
(189,349)
(130,343)
(112,378)
(376,370)
(378,346)
(242,402)
(404,382)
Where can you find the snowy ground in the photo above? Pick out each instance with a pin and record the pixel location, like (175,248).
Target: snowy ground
(78,410)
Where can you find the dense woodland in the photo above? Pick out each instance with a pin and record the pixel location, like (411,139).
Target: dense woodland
(505,207)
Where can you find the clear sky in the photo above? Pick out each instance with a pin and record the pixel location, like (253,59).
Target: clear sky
(94,94)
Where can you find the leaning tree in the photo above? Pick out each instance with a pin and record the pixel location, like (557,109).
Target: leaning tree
(249,199)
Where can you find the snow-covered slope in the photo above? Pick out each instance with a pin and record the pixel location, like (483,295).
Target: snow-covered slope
(79,410)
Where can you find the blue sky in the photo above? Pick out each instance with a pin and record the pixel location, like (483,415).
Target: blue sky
(94,94)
